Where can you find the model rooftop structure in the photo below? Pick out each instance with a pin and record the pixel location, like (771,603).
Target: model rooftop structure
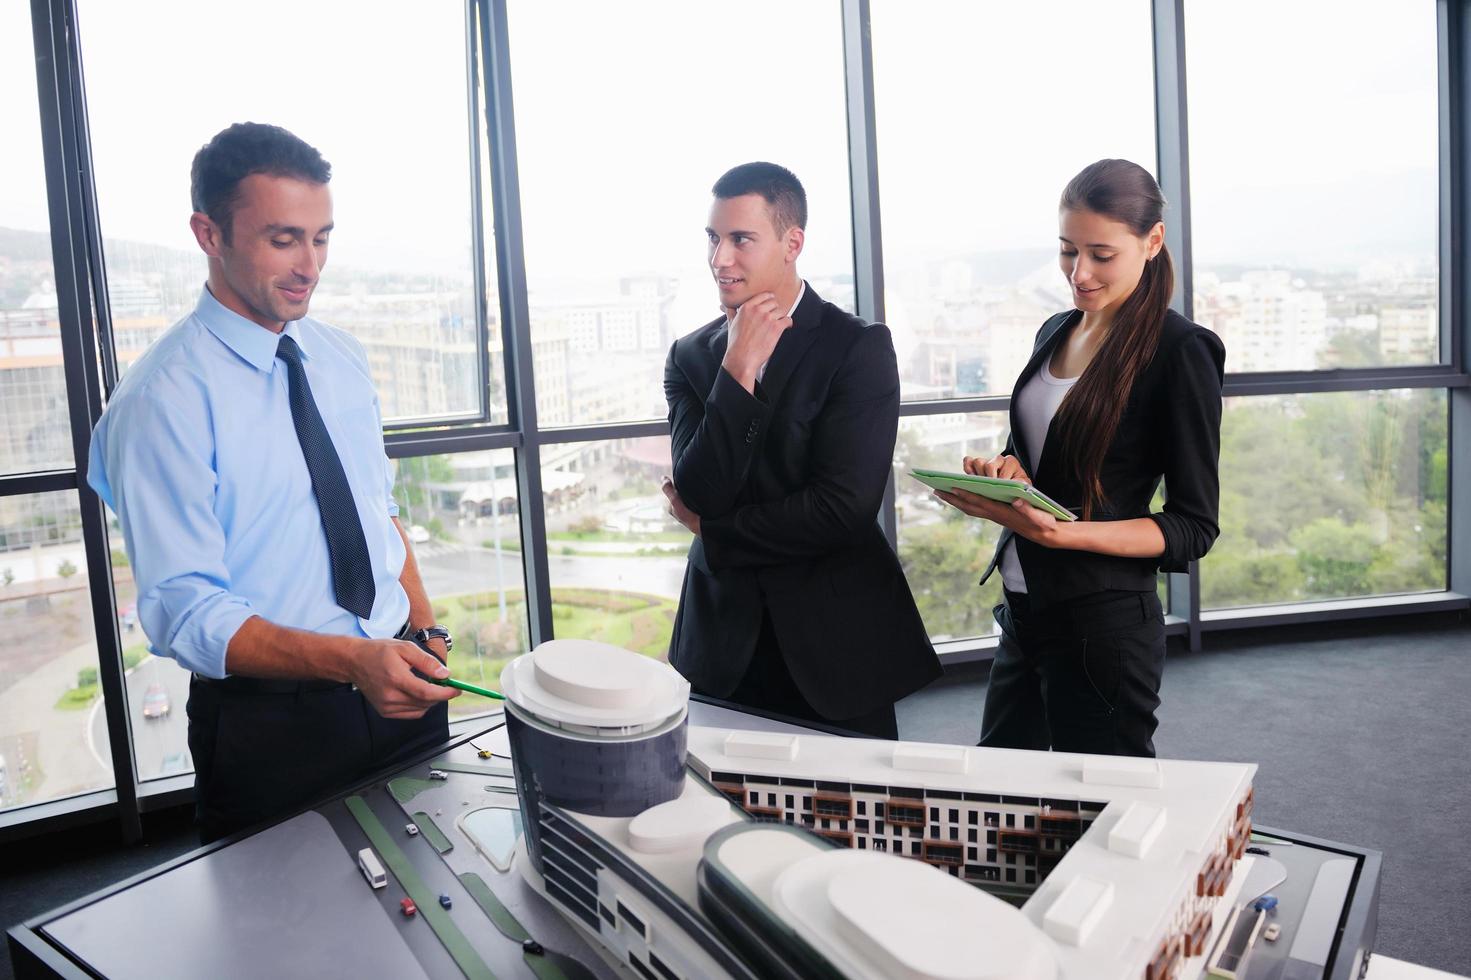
(774,854)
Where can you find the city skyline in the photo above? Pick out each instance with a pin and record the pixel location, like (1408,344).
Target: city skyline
(982,112)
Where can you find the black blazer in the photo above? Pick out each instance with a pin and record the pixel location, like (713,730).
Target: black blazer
(1171,427)
(788,485)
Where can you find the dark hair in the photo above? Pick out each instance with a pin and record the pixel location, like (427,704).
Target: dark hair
(1089,414)
(244,149)
(777,185)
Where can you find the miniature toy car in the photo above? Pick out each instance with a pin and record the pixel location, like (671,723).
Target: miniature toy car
(445,901)
(412,829)
(408,907)
(372,868)
(438,774)
(1265,904)
(1271,932)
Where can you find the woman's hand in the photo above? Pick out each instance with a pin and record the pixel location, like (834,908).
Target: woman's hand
(1030,522)
(1001,467)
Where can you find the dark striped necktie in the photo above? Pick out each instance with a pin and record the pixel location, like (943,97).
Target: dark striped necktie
(352,570)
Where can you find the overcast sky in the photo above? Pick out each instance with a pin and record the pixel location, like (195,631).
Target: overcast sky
(1313,124)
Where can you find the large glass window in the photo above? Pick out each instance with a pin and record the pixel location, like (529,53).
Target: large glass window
(943,551)
(462,514)
(34,430)
(387,106)
(1314,191)
(616,175)
(615,556)
(53,731)
(1330,496)
(984,112)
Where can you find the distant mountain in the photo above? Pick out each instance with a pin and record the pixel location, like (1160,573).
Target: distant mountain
(35,246)
(24,246)
(992,267)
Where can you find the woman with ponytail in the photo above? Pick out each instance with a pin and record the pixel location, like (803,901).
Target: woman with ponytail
(1120,392)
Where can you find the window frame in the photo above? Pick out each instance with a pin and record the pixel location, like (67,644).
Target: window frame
(90,368)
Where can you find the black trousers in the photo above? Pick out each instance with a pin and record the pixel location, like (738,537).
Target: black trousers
(265,749)
(768,685)
(1080,676)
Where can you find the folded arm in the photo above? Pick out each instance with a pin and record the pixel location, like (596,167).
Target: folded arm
(713,437)
(851,456)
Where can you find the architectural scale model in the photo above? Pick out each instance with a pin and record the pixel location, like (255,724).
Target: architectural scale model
(690,852)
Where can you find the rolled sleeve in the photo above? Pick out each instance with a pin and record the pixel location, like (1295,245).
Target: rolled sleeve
(1192,427)
(154,456)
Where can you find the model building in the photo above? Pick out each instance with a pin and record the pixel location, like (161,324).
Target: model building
(700,852)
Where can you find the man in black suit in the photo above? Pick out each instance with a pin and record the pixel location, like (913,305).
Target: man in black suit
(783,414)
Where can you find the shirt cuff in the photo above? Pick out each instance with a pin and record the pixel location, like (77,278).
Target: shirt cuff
(201,642)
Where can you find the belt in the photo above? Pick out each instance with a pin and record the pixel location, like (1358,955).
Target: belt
(267,685)
(1093,614)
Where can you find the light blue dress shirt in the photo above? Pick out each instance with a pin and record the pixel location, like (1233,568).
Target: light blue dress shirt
(197,455)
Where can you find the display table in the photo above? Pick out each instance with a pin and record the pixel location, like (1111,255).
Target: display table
(291,900)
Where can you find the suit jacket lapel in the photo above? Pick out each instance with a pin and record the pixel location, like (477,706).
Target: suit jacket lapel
(1046,343)
(792,346)
(718,341)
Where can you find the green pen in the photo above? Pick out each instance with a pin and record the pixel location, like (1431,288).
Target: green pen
(482,691)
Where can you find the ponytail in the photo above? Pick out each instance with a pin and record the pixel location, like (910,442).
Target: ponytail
(1088,417)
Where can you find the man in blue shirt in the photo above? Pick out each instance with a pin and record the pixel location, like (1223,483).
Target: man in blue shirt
(243,455)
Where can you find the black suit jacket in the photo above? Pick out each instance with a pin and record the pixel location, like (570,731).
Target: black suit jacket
(788,484)
(1171,428)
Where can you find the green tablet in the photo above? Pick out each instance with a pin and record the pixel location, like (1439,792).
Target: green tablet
(995,488)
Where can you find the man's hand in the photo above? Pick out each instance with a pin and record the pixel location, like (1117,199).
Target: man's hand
(383,671)
(677,508)
(436,646)
(1000,467)
(754,332)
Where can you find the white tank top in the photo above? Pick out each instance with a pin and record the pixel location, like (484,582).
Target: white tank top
(1036,404)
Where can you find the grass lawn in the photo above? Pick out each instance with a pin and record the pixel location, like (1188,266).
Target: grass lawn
(82,695)
(77,698)
(655,537)
(632,620)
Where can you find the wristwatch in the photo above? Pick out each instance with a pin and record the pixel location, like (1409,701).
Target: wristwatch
(434,632)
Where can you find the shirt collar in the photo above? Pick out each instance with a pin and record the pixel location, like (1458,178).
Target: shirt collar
(252,342)
(798,301)
(802,291)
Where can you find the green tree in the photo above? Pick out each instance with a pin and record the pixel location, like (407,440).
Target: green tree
(1329,495)
(943,562)
(1335,557)
(413,479)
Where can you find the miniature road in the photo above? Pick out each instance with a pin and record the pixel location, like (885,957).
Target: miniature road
(445,802)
